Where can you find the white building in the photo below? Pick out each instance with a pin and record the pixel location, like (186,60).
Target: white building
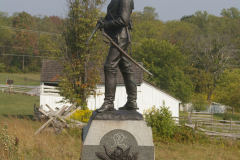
(147,94)
(213,108)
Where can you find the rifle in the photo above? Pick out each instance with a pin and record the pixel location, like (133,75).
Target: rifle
(95,30)
(120,49)
(125,54)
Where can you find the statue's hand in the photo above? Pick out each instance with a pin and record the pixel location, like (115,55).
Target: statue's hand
(102,24)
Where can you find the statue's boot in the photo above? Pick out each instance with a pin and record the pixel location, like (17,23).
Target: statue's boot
(110,89)
(131,89)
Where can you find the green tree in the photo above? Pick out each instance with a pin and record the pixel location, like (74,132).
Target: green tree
(25,41)
(177,32)
(149,13)
(5,20)
(199,102)
(228,89)
(146,25)
(186,18)
(209,57)
(2,67)
(80,77)
(6,39)
(231,13)
(167,64)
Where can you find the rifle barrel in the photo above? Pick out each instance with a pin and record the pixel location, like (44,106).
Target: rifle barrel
(96,28)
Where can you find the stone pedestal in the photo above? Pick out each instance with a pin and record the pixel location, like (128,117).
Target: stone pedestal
(122,134)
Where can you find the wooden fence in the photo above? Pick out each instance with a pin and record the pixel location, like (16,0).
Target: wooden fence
(49,90)
(206,122)
(18,89)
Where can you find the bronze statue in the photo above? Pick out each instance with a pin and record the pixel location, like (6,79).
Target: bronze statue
(116,27)
(116,24)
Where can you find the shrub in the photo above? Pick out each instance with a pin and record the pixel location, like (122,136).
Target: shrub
(226,116)
(35,68)
(25,70)
(2,67)
(161,122)
(184,134)
(82,115)
(14,69)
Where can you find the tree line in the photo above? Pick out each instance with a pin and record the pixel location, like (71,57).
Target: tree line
(25,40)
(196,58)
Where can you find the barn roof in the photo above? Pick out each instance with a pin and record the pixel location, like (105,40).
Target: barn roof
(51,69)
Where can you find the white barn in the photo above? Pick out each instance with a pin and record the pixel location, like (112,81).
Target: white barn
(147,94)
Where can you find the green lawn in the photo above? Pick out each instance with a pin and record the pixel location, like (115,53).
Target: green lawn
(13,104)
(32,79)
(235,117)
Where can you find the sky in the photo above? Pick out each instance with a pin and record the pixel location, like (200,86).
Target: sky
(167,10)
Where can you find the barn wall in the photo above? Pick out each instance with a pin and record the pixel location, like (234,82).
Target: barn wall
(120,97)
(50,95)
(52,101)
(147,95)
(151,96)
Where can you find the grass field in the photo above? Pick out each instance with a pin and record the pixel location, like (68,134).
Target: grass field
(196,151)
(44,146)
(31,79)
(67,146)
(13,104)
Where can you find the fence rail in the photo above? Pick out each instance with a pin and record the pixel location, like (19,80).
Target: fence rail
(19,89)
(214,125)
(49,90)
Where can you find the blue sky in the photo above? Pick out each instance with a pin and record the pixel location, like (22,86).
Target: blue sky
(167,10)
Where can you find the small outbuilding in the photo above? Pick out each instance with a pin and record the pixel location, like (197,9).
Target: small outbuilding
(148,95)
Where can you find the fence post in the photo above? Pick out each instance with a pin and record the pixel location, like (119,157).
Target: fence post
(191,114)
(212,118)
(230,125)
(196,125)
(35,107)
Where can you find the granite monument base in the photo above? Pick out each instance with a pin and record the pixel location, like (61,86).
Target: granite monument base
(118,135)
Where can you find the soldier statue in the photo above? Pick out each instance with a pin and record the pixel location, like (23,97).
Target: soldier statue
(116,25)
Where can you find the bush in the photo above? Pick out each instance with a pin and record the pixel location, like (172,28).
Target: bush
(14,69)
(82,115)
(161,122)
(25,70)
(226,116)
(35,68)
(2,67)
